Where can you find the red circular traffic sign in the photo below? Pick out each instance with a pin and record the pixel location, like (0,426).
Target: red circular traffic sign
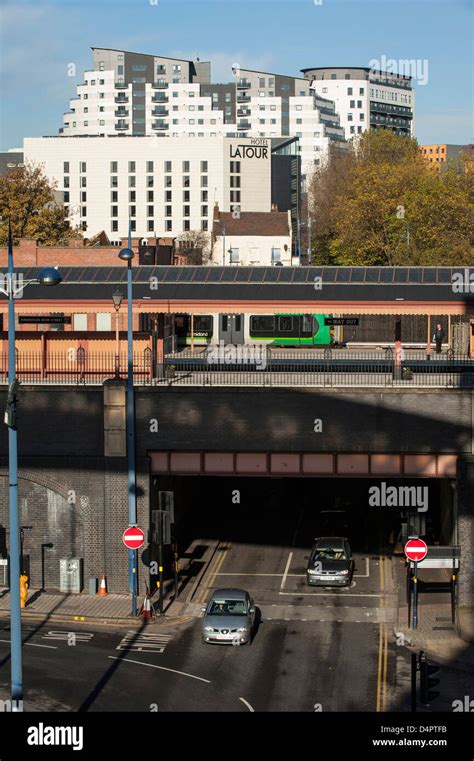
(133,538)
(416,549)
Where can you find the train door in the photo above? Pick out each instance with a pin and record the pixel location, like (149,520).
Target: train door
(231,328)
(472,339)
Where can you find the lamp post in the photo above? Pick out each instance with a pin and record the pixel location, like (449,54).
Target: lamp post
(117,297)
(47,276)
(126,254)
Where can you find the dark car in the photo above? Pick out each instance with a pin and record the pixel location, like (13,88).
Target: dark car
(330,563)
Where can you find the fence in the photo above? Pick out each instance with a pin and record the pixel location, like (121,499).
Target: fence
(258,366)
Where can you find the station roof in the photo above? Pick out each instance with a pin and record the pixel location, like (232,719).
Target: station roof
(173,288)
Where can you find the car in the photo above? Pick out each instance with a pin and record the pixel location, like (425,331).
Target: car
(330,563)
(229,618)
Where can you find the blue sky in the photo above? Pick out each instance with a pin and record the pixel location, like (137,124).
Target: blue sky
(38,40)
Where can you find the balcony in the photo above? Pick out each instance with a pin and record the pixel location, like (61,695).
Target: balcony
(243,125)
(160,126)
(160,112)
(120,86)
(160,98)
(243,84)
(122,127)
(160,85)
(121,113)
(121,98)
(243,98)
(243,112)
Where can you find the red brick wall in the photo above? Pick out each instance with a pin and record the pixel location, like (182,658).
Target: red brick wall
(29,254)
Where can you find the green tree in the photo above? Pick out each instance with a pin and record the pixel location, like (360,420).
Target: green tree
(389,208)
(27,199)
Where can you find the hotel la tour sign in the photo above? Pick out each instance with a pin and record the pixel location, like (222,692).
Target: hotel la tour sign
(254,148)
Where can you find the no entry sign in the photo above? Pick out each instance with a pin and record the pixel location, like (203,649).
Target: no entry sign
(133,538)
(416,549)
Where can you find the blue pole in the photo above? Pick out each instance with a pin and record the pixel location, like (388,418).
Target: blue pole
(132,502)
(15,613)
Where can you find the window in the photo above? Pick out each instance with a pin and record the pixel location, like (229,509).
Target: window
(215,97)
(83,211)
(66,182)
(176,68)
(261,121)
(359,129)
(191,121)
(361,117)
(83,196)
(235,181)
(168,211)
(204,211)
(114,166)
(83,182)
(167,166)
(120,69)
(149,181)
(101,65)
(149,211)
(361,90)
(299,108)
(101,109)
(349,117)
(359,104)
(190,108)
(132,211)
(204,225)
(66,167)
(167,180)
(131,166)
(352,130)
(276,255)
(285,323)
(113,181)
(272,108)
(273,121)
(347,76)
(132,181)
(200,121)
(333,76)
(79,321)
(139,67)
(114,211)
(168,196)
(325,89)
(92,82)
(186,225)
(114,196)
(262,323)
(235,196)
(350,91)
(261,81)
(204,196)
(103,321)
(185,180)
(168,225)
(203,166)
(186,211)
(150,226)
(138,80)
(186,195)
(84,226)
(132,196)
(204,181)
(235,167)
(66,197)
(82,166)
(299,121)
(227,97)
(352,104)
(149,196)
(200,108)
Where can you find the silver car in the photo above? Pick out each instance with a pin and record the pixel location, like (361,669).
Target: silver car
(331,562)
(229,617)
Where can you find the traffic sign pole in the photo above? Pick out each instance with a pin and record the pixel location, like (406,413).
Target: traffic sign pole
(415,596)
(133,538)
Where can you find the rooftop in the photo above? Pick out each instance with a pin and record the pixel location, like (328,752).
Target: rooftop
(252,223)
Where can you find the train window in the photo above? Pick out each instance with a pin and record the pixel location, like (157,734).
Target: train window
(262,323)
(306,324)
(224,322)
(285,323)
(238,321)
(203,324)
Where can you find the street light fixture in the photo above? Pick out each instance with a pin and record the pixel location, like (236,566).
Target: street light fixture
(117,298)
(47,276)
(126,255)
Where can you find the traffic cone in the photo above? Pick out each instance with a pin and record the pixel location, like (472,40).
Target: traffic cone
(146,608)
(103,588)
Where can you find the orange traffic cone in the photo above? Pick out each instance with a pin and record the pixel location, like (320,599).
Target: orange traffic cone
(146,608)
(103,588)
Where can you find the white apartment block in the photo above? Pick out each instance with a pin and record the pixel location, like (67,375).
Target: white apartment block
(165,187)
(365,99)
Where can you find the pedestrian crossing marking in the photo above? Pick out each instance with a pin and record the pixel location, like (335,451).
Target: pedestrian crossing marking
(144,642)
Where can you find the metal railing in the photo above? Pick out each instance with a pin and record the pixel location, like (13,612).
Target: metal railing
(259,366)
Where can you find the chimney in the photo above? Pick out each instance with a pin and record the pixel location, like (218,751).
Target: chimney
(216,211)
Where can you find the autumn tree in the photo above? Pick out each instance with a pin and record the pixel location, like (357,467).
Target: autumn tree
(194,244)
(383,206)
(27,199)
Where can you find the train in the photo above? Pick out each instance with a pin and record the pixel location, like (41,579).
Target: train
(279,329)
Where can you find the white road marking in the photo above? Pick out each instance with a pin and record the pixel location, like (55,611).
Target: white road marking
(367,571)
(247,704)
(62,635)
(32,644)
(161,668)
(283,581)
(144,642)
(328,594)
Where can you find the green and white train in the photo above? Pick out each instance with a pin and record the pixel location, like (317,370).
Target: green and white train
(286,329)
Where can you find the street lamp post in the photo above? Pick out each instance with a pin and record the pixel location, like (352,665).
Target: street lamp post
(126,254)
(117,299)
(47,276)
